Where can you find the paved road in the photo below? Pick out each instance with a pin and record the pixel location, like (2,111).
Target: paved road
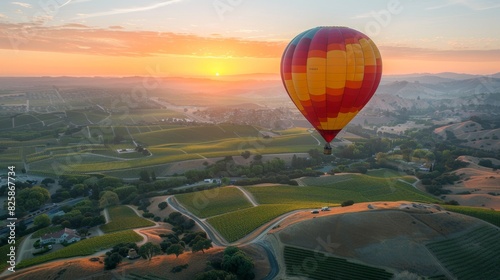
(218,240)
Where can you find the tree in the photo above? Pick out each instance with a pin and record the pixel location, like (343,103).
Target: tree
(41,221)
(153,176)
(108,198)
(246,154)
(216,275)
(29,199)
(162,205)
(48,181)
(485,162)
(347,203)
(257,157)
(238,263)
(176,249)
(149,250)
(201,244)
(144,176)
(112,260)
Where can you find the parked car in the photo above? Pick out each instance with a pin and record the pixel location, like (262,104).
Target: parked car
(314,211)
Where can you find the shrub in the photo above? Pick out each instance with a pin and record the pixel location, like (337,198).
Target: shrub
(179,268)
(347,203)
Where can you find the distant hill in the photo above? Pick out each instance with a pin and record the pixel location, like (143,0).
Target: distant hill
(473,134)
(444,88)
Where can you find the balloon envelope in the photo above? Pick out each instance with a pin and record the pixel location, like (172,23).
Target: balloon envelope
(330,73)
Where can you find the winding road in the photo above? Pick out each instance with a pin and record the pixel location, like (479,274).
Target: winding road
(255,237)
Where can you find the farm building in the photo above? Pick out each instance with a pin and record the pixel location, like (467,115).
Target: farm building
(65,235)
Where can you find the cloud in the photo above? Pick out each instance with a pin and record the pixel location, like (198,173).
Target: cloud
(113,41)
(473,5)
(409,53)
(117,41)
(24,5)
(75,25)
(130,10)
(115,27)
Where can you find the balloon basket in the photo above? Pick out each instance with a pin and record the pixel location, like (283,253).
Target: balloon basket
(327,150)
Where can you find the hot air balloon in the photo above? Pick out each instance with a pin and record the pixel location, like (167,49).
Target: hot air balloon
(330,73)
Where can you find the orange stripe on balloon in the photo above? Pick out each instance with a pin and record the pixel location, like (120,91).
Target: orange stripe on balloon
(317,53)
(353,84)
(299,68)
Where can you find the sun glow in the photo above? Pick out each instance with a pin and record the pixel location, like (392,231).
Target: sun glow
(217,74)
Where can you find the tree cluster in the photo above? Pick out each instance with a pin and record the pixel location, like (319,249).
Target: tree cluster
(234,265)
(117,253)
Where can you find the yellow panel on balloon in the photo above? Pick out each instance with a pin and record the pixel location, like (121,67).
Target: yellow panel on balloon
(300,85)
(316,70)
(351,62)
(348,117)
(334,123)
(293,95)
(367,52)
(336,69)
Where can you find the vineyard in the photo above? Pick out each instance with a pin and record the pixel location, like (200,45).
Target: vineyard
(213,202)
(236,219)
(122,217)
(330,190)
(85,247)
(473,255)
(238,224)
(94,148)
(315,265)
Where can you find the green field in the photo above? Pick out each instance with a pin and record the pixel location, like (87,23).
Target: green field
(85,247)
(473,255)
(277,200)
(237,224)
(122,217)
(338,188)
(389,173)
(77,153)
(214,202)
(315,265)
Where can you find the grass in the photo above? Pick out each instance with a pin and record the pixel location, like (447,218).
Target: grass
(168,143)
(316,265)
(214,202)
(473,255)
(122,217)
(277,200)
(198,134)
(85,247)
(339,188)
(487,215)
(237,224)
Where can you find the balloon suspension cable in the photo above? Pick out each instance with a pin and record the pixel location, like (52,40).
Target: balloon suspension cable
(327,149)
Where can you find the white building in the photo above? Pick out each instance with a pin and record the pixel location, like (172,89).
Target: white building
(65,235)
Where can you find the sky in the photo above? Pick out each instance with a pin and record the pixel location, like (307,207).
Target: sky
(233,37)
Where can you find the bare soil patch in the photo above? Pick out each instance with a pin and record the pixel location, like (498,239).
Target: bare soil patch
(85,269)
(478,186)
